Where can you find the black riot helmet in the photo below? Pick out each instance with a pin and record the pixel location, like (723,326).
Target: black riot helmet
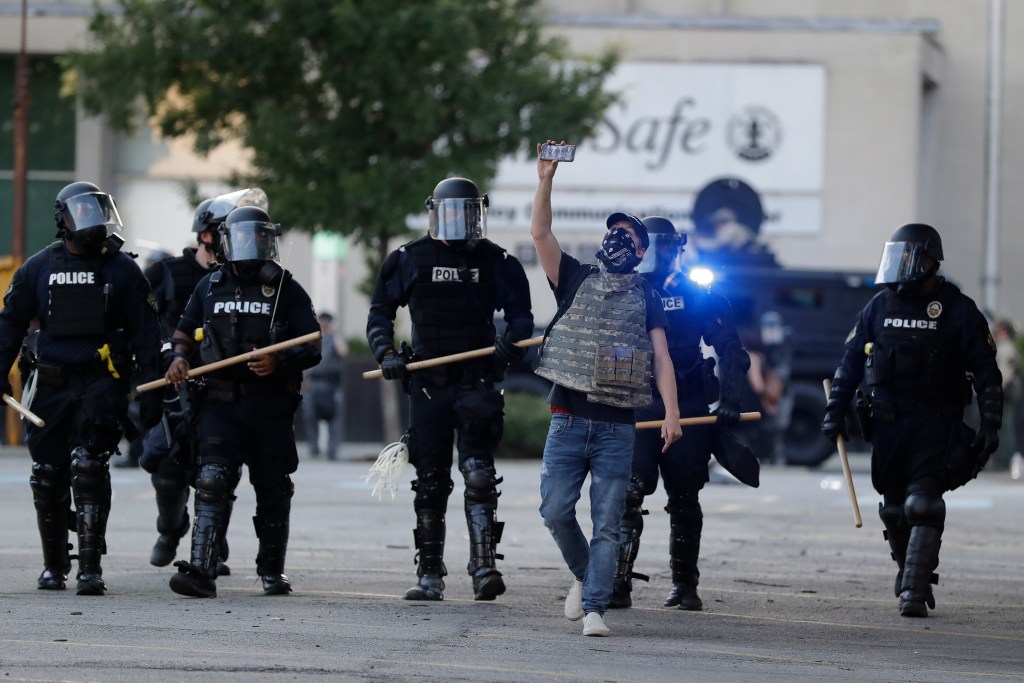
(248,235)
(458,212)
(87,216)
(211,213)
(911,254)
(666,246)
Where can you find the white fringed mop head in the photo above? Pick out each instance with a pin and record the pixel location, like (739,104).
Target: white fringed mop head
(388,469)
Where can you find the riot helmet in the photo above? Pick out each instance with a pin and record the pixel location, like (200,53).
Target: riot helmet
(211,213)
(912,254)
(87,216)
(248,235)
(457,210)
(666,246)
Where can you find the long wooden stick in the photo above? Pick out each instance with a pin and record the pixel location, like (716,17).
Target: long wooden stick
(234,360)
(841,444)
(454,358)
(24,412)
(691,421)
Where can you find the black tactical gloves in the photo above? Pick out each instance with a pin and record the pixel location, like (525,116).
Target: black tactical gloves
(985,444)
(834,425)
(392,366)
(506,351)
(728,413)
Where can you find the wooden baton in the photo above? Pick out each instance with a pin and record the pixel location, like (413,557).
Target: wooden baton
(691,421)
(24,412)
(453,358)
(841,445)
(234,360)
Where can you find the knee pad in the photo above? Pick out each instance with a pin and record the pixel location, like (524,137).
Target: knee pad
(211,449)
(684,503)
(481,481)
(634,499)
(213,483)
(49,485)
(432,487)
(925,510)
(90,475)
(892,515)
(274,497)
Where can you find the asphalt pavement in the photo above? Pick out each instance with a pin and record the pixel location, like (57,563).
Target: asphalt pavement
(792,592)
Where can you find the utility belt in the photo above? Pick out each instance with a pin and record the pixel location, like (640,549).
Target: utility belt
(466,374)
(232,390)
(60,376)
(891,410)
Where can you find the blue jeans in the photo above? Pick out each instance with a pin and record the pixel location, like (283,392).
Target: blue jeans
(575,447)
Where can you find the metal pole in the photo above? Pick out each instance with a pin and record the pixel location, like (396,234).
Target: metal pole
(993,143)
(21,102)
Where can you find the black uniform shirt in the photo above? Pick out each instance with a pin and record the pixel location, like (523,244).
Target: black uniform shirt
(129,302)
(173,281)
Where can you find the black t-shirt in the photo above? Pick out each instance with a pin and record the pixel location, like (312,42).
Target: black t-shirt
(576,401)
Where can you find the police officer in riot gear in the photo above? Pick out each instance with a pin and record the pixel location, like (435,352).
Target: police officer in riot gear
(245,411)
(173,281)
(695,314)
(98,334)
(914,345)
(453,281)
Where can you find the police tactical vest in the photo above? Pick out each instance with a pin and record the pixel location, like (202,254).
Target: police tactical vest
(453,299)
(915,353)
(600,345)
(684,306)
(239,315)
(77,303)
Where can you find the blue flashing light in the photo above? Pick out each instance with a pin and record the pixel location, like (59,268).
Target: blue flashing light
(702,275)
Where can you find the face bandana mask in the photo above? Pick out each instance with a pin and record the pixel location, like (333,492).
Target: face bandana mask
(618,253)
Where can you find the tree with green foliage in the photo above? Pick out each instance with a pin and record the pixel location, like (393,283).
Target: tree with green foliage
(353,109)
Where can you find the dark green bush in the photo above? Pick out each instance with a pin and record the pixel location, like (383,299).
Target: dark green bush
(526,426)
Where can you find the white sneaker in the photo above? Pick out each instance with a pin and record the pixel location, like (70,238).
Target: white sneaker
(594,625)
(574,601)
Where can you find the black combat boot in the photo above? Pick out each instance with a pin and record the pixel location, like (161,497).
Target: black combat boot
(629,531)
(172,518)
(918,572)
(484,536)
(270,558)
(197,578)
(222,557)
(686,520)
(429,538)
(90,487)
(897,533)
(52,499)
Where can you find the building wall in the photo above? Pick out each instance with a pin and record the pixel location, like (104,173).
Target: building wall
(905,126)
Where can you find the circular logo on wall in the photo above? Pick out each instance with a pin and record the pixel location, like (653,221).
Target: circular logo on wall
(754,134)
(934,309)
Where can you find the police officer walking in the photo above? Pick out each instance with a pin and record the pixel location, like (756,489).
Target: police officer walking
(246,411)
(914,345)
(98,333)
(453,281)
(173,280)
(695,314)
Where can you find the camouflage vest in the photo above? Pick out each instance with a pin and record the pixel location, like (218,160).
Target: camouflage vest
(600,346)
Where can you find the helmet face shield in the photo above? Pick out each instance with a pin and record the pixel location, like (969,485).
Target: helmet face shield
(91,210)
(222,205)
(663,254)
(903,262)
(251,241)
(458,219)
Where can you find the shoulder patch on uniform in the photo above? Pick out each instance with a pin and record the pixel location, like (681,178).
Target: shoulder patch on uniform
(853,333)
(991,341)
(151,300)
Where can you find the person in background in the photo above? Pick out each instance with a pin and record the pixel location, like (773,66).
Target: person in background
(324,393)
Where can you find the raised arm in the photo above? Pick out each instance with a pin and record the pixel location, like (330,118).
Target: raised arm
(548,250)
